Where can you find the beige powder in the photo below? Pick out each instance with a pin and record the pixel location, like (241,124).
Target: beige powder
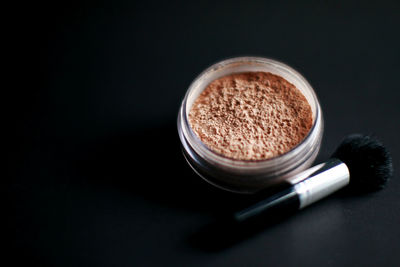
(251,116)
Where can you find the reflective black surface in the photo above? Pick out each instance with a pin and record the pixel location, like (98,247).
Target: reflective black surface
(97,177)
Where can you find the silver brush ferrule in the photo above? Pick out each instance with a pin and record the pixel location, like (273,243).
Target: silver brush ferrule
(320,181)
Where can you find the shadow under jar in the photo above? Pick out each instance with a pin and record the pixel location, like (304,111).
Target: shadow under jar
(242,175)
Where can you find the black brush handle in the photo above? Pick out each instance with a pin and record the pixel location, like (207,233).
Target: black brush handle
(284,201)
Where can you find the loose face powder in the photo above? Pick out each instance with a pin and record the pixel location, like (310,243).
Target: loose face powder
(251,116)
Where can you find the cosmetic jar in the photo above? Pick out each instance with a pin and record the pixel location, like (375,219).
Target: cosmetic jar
(245,176)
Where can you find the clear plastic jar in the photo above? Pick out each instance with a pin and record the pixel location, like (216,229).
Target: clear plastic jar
(245,176)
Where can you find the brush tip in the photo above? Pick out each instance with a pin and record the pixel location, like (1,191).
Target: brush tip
(368,160)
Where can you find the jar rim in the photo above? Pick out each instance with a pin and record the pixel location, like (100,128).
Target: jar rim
(204,150)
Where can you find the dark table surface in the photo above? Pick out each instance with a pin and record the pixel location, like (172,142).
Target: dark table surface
(97,174)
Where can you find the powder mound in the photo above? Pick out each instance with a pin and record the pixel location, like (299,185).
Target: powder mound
(251,116)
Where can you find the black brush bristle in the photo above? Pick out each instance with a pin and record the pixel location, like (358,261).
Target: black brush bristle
(368,160)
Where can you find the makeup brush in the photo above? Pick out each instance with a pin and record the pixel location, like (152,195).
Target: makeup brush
(361,163)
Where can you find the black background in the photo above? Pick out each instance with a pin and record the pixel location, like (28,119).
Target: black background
(97,176)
